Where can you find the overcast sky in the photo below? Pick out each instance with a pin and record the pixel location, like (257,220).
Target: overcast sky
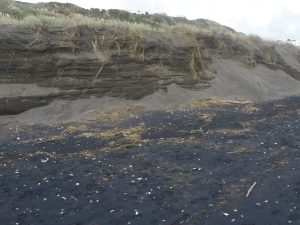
(274,19)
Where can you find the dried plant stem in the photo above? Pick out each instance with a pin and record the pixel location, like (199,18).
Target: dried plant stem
(250,189)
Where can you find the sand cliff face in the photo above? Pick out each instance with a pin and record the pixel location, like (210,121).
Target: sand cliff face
(42,64)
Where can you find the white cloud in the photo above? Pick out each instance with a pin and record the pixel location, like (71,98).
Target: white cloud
(275,19)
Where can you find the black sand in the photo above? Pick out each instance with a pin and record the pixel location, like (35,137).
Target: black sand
(182,167)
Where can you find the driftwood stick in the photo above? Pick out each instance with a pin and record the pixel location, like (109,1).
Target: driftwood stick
(250,189)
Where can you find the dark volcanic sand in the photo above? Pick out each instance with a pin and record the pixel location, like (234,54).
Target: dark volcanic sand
(157,168)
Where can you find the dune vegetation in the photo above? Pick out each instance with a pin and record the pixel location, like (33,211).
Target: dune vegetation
(70,15)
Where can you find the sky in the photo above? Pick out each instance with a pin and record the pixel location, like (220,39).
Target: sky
(271,19)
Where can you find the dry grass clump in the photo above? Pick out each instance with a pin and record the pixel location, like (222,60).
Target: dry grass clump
(133,134)
(248,106)
(230,131)
(251,108)
(76,129)
(88,154)
(239,150)
(116,114)
(44,140)
(201,103)
(119,139)
(207,117)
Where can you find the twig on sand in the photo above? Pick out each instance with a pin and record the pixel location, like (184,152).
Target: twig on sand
(250,189)
(235,102)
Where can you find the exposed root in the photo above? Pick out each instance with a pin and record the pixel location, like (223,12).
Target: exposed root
(97,75)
